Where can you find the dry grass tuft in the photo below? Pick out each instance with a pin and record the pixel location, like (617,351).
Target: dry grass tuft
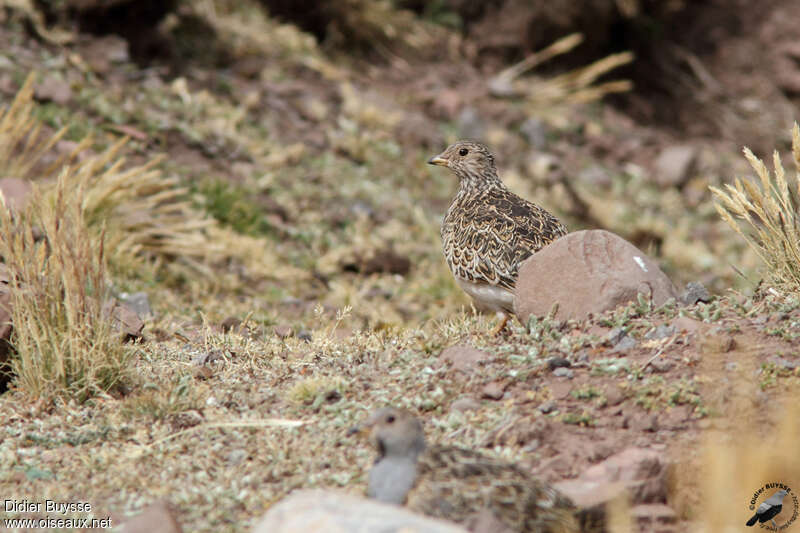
(143,213)
(766,215)
(63,336)
(577,86)
(762,450)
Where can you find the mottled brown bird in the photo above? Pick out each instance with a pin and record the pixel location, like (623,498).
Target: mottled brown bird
(488,230)
(457,484)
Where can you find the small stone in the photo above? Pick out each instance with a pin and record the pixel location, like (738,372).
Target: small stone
(203,373)
(158,517)
(547,407)
(139,302)
(588,272)
(688,325)
(52,89)
(614,336)
(695,292)
(653,514)
(230,324)
(675,165)
(535,132)
(558,362)
(235,457)
(614,397)
(126,320)
(465,403)
(493,390)
(283,331)
(462,357)
(659,332)
(660,365)
(206,357)
(470,124)
(562,372)
(782,362)
(625,344)
(595,175)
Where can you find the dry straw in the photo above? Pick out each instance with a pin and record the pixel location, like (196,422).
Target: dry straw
(144,213)
(63,336)
(765,214)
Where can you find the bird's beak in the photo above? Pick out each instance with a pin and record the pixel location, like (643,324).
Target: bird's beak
(358,430)
(438,160)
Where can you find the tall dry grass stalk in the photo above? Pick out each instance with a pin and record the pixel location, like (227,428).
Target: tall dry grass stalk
(63,337)
(574,87)
(766,216)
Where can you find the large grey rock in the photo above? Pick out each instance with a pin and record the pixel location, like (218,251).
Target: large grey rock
(321,511)
(587,272)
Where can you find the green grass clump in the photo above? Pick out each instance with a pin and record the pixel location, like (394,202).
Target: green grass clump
(766,215)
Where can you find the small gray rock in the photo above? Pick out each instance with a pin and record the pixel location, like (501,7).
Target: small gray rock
(562,372)
(139,302)
(614,336)
(470,124)
(695,292)
(625,344)
(661,331)
(787,364)
(595,175)
(465,403)
(547,407)
(535,132)
(659,365)
(675,165)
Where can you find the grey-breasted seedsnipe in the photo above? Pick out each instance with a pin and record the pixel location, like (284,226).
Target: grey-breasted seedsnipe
(457,484)
(489,231)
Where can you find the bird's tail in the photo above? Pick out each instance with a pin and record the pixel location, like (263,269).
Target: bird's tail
(753,520)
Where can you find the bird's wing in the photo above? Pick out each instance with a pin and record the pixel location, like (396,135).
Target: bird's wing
(500,230)
(764,507)
(454,483)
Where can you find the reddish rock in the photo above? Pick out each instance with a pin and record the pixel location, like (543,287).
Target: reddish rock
(587,272)
(643,471)
(688,325)
(158,517)
(493,390)
(462,357)
(17,192)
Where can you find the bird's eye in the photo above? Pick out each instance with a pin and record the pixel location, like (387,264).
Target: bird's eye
(463,152)
(390,419)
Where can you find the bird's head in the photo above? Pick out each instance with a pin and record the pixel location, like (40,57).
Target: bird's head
(394,432)
(471,161)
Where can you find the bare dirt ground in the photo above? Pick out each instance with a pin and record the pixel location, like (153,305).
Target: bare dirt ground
(335,300)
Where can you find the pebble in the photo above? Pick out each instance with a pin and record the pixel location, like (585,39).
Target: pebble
(562,372)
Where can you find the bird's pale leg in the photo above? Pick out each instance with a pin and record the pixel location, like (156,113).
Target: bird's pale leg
(502,324)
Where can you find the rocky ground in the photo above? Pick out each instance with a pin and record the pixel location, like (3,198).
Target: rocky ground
(326,294)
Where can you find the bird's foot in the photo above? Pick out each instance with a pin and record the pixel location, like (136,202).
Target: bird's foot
(500,325)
